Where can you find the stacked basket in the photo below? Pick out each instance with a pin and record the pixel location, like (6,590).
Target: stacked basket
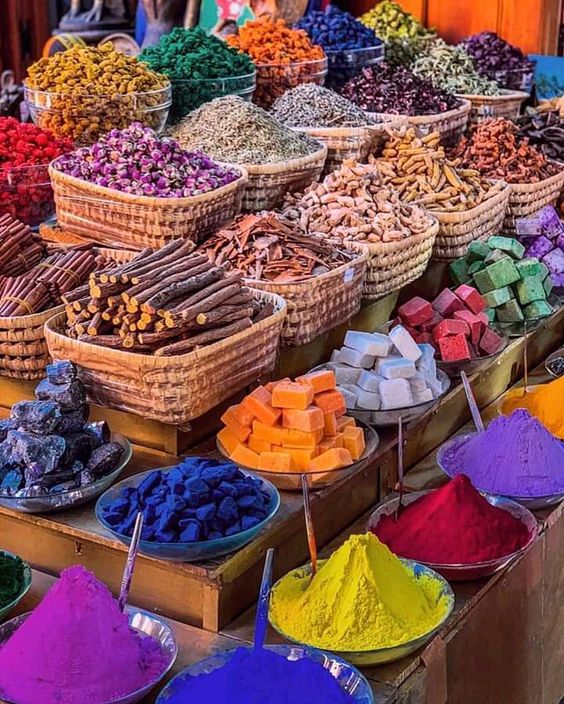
(528,198)
(507,104)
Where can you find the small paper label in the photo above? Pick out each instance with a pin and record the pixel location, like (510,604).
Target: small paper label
(348,276)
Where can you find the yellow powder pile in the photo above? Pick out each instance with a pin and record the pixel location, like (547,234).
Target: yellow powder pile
(362,598)
(546,403)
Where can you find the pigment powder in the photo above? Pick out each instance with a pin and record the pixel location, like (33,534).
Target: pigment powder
(453,525)
(256,677)
(77,647)
(545,403)
(362,598)
(515,456)
(12,578)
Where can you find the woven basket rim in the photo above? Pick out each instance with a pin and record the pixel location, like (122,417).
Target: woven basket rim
(289,165)
(549,180)
(459,111)
(505,96)
(358,131)
(31,320)
(447,216)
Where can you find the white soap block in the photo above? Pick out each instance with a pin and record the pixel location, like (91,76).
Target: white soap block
(395,393)
(357,359)
(404,343)
(369,381)
(367,400)
(434,384)
(422,396)
(427,358)
(398,368)
(349,395)
(336,356)
(373,343)
(381,360)
(417,383)
(346,375)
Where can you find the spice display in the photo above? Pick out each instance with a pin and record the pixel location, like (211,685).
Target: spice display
(85,91)
(377,372)
(166,302)
(454,323)
(543,237)
(268,248)
(77,646)
(451,68)
(396,90)
(394,605)
(194,60)
(310,105)
(20,249)
(495,58)
(199,499)
(12,578)
(545,131)
(135,160)
(49,447)
(545,404)
(284,57)
(350,205)
(248,135)
(258,676)
(25,152)
(418,169)
(293,426)
(513,287)
(453,525)
(515,456)
(493,148)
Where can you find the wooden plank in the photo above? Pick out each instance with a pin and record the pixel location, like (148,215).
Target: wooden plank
(456,20)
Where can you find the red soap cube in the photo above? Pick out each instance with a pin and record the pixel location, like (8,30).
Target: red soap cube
(449,326)
(471,297)
(447,302)
(430,325)
(490,342)
(484,318)
(416,311)
(454,348)
(424,337)
(476,325)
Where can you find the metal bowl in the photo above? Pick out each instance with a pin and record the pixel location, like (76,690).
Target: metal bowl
(144,623)
(517,328)
(186,552)
(380,655)
(25,587)
(470,366)
(75,497)
(465,571)
(531,502)
(348,677)
(551,359)
(292,481)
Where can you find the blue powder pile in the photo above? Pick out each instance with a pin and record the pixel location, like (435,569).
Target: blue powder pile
(261,677)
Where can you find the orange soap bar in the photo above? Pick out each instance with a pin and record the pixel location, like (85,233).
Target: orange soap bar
(299,438)
(345,422)
(323,380)
(243,415)
(331,459)
(228,439)
(258,445)
(271,384)
(268,433)
(330,423)
(339,440)
(354,441)
(328,444)
(301,458)
(308,420)
(331,401)
(259,403)
(289,394)
(248,458)
(275,461)
(230,419)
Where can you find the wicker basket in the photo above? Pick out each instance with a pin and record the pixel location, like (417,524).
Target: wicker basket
(320,303)
(450,124)
(393,265)
(119,219)
(458,229)
(23,349)
(527,198)
(175,389)
(507,105)
(268,184)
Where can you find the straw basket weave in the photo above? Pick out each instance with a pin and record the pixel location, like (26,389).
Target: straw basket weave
(458,229)
(507,105)
(23,350)
(119,219)
(393,265)
(527,198)
(450,124)
(268,184)
(175,389)
(320,303)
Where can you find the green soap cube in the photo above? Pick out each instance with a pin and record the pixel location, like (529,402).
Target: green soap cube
(509,312)
(544,270)
(507,244)
(538,309)
(529,267)
(497,297)
(459,271)
(495,256)
(477,250)
(490,312)
(530,289)
(548,285)
(497,275)
(478,265)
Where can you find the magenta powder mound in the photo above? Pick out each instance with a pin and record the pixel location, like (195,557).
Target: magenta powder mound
(515,456)
(76,647)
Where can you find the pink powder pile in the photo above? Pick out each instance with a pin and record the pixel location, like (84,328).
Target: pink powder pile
(77,648)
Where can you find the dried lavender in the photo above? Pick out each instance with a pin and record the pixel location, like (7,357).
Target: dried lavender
(497,59)
(233,130)
(310,105)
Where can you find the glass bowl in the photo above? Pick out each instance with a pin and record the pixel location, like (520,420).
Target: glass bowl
(26,193)
(453,369)
(146,624)
(533,503)
(84,118)
(186,552)
(349,678)
(346,63)
(382,655)
(188,94)
(273,80)
(292,481)
(517,328)
(465,571)
(24,590)
(559,354)
(75,497)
